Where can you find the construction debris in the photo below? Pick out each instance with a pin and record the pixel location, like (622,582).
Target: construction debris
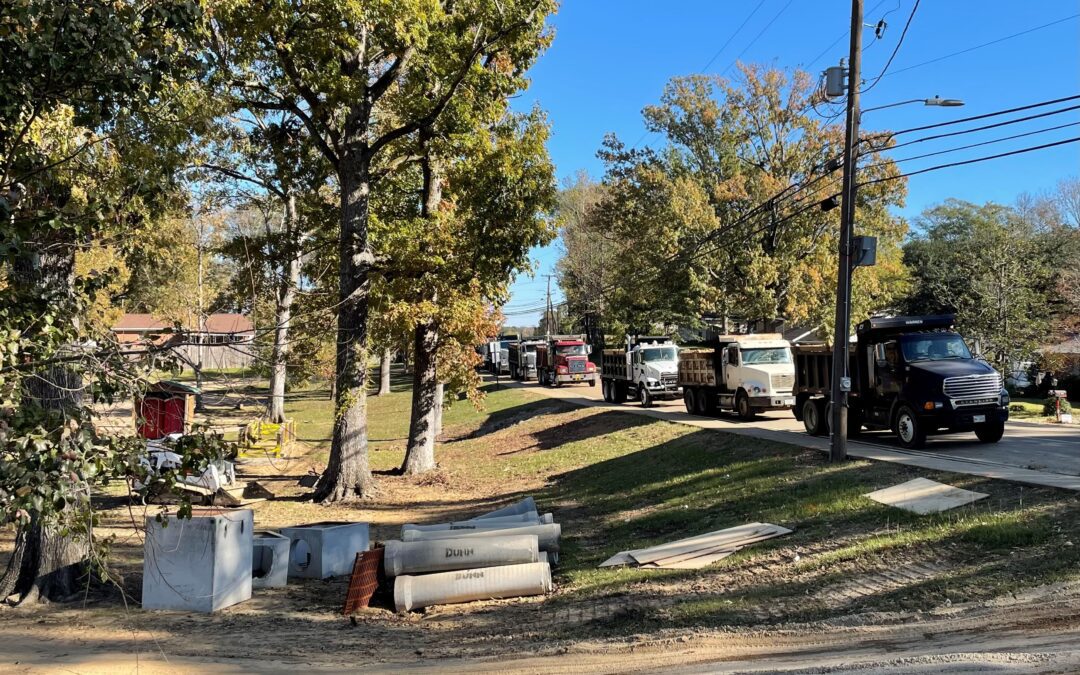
(699,551)
(445,555)
(923,496)
(508,581)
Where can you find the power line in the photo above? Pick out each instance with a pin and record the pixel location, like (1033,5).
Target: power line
(843,35)
(758,36)
(980,46)
(896,49)
(1018,120)
(976,145)
(732,36)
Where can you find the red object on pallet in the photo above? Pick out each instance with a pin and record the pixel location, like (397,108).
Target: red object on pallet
(367,570)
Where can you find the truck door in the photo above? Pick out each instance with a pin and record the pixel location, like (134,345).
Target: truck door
(886,381)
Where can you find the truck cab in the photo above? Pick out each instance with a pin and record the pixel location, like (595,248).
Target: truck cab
(522,359)
(564,359)
(918,382)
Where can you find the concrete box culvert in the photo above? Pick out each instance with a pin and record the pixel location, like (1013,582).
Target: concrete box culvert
(322,550)
(524,506)
(198,564)
(507,581)
(441,555)
(485,524)
(547,535)
(270,560)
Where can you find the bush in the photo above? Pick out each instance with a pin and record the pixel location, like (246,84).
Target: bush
(1050,406)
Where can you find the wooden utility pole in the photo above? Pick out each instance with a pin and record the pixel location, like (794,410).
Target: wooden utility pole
(841,383)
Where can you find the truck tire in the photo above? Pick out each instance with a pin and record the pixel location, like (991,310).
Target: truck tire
(592,383)
(742,406)
(990,432)
(688,400)
(605,390)
(813,417)
(701,401)
(909,430)
(619,392)
(645,397)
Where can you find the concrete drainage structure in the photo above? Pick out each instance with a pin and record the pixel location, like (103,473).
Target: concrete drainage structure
(440,555)
(547,534)
(270,560)
(414,592)
(322,550)
(201,564)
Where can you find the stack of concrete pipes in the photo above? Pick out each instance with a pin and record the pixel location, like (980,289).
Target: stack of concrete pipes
(503,554)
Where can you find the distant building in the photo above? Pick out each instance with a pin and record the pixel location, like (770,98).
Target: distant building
(224,341)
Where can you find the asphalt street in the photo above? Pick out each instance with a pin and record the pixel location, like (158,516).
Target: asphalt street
(1035,453)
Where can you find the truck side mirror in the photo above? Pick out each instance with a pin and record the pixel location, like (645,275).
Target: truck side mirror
(588,349)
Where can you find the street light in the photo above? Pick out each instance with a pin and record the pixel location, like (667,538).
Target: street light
(936,101)
(841,381)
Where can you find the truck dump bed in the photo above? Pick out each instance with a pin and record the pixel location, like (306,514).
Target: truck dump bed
(613,364)
(697,367)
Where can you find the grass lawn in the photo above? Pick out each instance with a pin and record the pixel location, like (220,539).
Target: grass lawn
(618,481)
(1032,409)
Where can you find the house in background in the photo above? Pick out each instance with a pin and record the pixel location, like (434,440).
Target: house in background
(224,340)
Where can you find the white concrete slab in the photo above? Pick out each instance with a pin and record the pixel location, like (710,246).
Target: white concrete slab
(923,496)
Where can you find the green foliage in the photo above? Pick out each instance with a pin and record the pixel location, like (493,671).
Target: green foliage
(686,224)
(993,268)
(1052,404)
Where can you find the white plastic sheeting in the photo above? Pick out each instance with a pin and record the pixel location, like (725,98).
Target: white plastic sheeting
(547,534)
(483,524)
(440,555)
(414,592)
(524,506)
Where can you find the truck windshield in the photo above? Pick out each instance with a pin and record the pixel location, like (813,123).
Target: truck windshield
(570,350)
(770,355)
(934,347)
(658,354)
(505,344)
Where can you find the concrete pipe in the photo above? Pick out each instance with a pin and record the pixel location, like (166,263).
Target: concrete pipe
(441,555)
(547,535)
(507,581)
(524,506)
(486,523)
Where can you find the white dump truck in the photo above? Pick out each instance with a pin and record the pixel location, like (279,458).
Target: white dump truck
(645,369)
(744,373)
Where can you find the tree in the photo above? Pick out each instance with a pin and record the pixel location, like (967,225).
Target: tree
(480,216)
(991,267)
(588,255)
(708,235)
(89,93)
(331,64)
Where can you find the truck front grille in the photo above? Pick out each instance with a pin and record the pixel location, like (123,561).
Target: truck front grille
(783,381)
(668,379)
(973,389)
(577,366)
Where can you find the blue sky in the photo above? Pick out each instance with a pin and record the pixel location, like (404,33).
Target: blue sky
(610,58)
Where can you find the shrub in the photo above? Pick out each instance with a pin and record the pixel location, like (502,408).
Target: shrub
(1050,406)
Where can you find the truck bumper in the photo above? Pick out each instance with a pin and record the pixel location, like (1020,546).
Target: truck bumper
(772,402)
(965,419)
(574,378)
(662,392)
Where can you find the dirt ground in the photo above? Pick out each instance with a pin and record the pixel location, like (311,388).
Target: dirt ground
(776,609)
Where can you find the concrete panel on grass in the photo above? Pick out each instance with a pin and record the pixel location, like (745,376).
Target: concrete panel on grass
(201,564)
(322,550)
(922,496)
(270,560)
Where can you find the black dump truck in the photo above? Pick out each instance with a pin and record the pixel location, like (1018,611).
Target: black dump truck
(912,375)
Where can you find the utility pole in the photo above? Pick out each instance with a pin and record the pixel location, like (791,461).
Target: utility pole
(841,381)
(548,310)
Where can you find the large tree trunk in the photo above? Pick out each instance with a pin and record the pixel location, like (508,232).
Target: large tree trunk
(420,453)
(384,372)
(440,397)
(47,563)
(348,473)
(286,293)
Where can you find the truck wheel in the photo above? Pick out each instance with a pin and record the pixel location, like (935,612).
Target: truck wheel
(605,389)
(688,400)
(592,383)
(812,414)
(645,397)
(742,406)
(909,429)
(990,432)
(701,401)
(619,392)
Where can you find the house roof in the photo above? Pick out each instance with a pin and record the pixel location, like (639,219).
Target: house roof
(215,323)
(1068,346)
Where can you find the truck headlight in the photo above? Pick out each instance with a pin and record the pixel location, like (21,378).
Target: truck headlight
(757,391)
(561,370)
(1005,398)
(651,381)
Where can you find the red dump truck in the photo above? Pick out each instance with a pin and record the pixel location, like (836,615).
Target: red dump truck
(564,359)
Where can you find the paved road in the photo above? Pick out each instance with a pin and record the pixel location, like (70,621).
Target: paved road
(1040,454)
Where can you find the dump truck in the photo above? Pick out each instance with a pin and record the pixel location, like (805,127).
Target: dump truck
(747,374)
(647,369)
(522,359)
(911,375)
(498,353)
(564,359)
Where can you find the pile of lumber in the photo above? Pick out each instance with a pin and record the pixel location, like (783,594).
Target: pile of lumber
(696,552)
